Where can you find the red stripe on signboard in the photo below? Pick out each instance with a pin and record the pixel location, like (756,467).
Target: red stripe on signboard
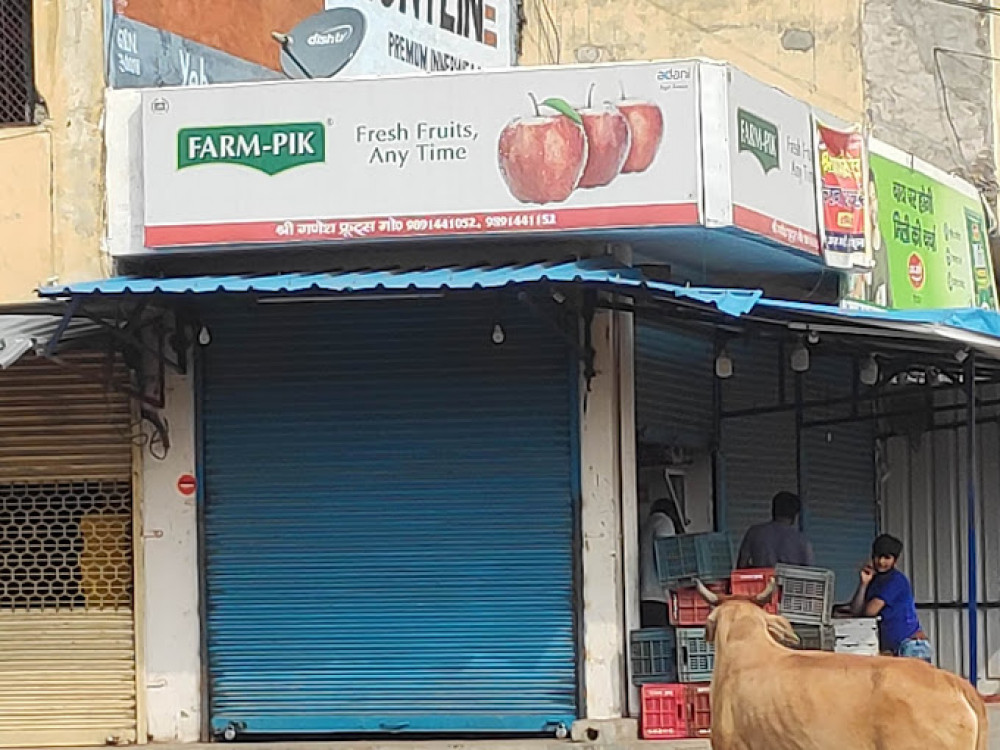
(775,229)
(389,227)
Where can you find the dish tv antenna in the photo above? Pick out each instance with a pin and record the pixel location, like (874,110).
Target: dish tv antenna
(322,44)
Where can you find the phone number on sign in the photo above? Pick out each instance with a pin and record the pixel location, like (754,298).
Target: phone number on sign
(477,223)
(507,221)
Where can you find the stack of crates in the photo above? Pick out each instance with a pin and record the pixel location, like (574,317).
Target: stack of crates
(675,699)
(806,601)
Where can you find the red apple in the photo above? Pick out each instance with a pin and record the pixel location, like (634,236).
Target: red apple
(645,121)
(542,157)
(608,141)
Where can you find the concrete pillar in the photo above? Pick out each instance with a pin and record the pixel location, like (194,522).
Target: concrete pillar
(172,630)
(602,522)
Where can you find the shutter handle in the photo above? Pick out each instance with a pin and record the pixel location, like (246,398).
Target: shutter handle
(396,727)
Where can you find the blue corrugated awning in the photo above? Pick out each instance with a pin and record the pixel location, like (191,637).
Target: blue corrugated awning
(979,329)
(599,272)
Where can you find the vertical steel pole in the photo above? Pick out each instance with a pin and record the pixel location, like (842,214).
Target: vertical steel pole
(972,471)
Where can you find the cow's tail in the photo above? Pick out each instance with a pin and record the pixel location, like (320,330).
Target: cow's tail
(976,703)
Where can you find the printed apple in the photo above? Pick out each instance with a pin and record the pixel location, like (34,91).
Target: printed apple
(608,142)
(645,121)
(542,157)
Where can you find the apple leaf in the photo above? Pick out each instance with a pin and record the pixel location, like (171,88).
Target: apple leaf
(560,106)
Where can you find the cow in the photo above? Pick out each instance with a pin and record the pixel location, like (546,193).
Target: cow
(767,696)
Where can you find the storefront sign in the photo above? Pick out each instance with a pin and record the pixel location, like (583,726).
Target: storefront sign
(840,177)
(928,244)
(773,190)
(200,42)
(492,153)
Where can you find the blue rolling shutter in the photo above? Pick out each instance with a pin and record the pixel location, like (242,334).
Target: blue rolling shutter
(838,469)
(759,452)
(673,386)
(389,519)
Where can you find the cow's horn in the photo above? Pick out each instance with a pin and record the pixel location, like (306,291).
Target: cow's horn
(709,596)
(765,596)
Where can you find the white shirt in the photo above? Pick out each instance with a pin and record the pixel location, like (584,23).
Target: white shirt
(658,525)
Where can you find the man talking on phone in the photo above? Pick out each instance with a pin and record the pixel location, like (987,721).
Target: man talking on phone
(885,592)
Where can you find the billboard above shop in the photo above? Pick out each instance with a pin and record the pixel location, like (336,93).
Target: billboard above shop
(201,42)
(492,153)
(927,245)
(530,151)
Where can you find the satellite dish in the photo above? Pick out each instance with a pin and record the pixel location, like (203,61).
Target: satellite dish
(322,44)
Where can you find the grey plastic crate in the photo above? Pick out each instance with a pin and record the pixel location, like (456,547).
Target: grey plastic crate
(695,655)
(815,637)
(682,558)
(806,594)
(654,655)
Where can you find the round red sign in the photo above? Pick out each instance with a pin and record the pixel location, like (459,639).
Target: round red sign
(915,270)
(187,485)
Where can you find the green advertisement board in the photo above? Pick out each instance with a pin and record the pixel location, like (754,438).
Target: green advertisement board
(927,240)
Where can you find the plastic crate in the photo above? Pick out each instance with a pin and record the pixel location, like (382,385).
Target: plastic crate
(688,609)
(695,656)
(752,581)
(679,559)
(806,594)
(815,637)
(654,655)
(856,635)
(664,712)
(699,706)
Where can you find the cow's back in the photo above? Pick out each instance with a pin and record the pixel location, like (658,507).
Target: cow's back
(818,701)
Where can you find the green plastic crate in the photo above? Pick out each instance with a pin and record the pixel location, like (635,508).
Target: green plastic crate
(654,655)
(688,556)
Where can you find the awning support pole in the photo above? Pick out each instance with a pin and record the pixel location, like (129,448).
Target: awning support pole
(53,343)
(972,472)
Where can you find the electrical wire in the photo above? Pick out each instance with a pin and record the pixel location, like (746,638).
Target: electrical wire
(969,5)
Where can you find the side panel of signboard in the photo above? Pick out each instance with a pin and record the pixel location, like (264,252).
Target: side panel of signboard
(773,188)
(928,238)
(473,154)
(200,42)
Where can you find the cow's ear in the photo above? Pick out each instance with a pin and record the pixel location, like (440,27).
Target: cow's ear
(781,630)
(710,625)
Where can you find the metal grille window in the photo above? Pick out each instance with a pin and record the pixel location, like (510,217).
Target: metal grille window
(17,90)
(65,545)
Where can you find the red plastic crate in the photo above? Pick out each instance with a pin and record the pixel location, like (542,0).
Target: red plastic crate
(688,609)
(699,705)
(664,712)
(752,581)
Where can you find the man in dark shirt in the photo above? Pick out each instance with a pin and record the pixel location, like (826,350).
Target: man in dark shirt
(778,541)
(885,592)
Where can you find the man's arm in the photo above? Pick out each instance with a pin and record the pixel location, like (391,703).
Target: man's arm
(858,605)
(743,558)
(810,556)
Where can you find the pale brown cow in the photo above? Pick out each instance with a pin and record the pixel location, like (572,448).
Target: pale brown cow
(766,696)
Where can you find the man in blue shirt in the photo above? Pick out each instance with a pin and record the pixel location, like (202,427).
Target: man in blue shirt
(885,592)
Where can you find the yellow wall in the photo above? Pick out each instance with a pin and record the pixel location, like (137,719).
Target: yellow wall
(747,33)
(51,184)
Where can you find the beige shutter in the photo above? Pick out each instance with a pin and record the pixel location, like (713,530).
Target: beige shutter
(67,644)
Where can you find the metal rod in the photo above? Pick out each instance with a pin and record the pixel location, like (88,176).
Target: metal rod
(900,413)
(972,471)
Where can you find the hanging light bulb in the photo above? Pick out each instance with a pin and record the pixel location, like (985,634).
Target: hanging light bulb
(723,365)
(868,371)
(799,359)
(204,337)
(498,335)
